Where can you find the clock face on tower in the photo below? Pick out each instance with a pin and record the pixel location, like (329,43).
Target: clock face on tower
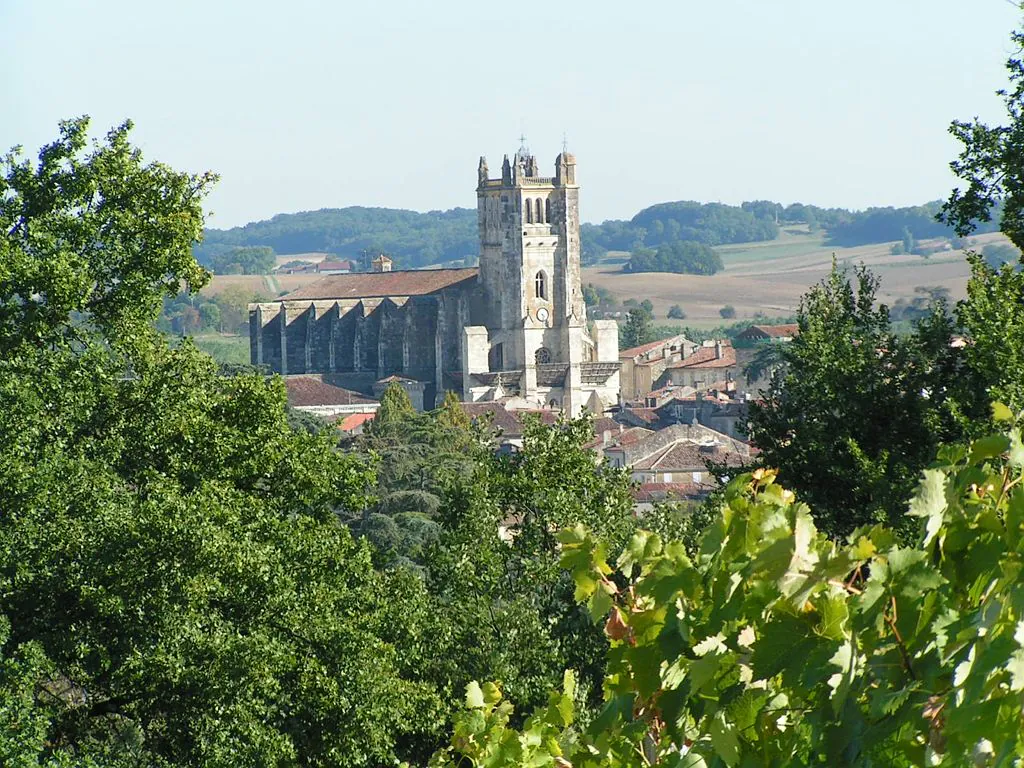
(542,314)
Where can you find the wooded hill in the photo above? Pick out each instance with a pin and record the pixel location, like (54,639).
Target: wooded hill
(421,239)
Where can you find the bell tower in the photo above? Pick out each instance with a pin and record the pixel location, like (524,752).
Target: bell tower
(530,274)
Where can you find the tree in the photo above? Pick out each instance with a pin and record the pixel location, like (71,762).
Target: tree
(908,242)
(107,259)
(648,307)
(675,312)
(990,165)
(174,586)
(728,311)
(209,315)
(776,645)
(505,603)
(637,330)
(244,260)
(855,412)
(676,256)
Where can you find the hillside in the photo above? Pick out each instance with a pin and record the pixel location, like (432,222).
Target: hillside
(770,277)
(423,239)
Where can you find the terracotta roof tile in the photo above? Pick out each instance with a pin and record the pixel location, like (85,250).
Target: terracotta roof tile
(704,357)
(366,285)
(312,391)
(353,421)
(664,491)
(786,330)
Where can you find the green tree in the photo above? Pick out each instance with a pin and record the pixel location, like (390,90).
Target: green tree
(675,312)
(648,307)
(775,645)
(855,411)
(728,311)
(209,315)
(174,586)
(989,164)
(637,329)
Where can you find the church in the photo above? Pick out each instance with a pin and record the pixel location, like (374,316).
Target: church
(513,330)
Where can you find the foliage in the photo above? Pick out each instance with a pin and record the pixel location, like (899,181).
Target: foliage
(990,165)
(855,411)
(412,239)
(728,312)
(675,312)
(636,330)
(683,256)
(776,645)
(992,316)
(503,604)
(243,260)
(175,588)
(92,233)
(707,223)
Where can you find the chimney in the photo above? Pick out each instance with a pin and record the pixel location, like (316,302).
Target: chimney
(718,350)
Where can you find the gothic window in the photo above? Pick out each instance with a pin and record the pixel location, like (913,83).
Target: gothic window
(547,211)
(542,356)
(529,211)
(540,286)
(540,212)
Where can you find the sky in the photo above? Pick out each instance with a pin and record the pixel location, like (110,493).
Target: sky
(301,105)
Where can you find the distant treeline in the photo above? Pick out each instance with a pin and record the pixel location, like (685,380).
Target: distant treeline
(413,239)
(421,239)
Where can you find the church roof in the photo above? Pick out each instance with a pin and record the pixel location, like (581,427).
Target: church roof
(366,285)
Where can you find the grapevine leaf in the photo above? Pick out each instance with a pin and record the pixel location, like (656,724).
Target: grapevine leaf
(723,737)
(930,502)
(1000,412)
(474,696)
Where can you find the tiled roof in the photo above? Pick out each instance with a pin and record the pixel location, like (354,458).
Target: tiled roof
(646,415)
(686,455)
(642,349)
(312,391)
(354,421)
(325,265)
(366,285)
(663,491)
(786,330)
(704,357)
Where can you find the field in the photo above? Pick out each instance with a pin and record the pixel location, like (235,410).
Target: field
(766,278)
(770,277)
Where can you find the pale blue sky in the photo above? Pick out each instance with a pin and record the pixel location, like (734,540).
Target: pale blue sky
(302,105)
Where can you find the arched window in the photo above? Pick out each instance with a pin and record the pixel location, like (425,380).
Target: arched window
(540,212)
(542,356)
(529,211)
(547,211)
(540,286)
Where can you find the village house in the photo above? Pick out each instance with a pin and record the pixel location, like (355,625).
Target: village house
(712,363)
(642,366)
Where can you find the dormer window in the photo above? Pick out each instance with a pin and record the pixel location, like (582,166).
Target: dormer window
(540,286)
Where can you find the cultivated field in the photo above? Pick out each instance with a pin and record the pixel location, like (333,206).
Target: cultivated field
(770,277)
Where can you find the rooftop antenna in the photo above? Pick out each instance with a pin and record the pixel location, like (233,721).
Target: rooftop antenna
(565,143)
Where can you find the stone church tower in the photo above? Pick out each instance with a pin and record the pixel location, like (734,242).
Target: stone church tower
(536,331)
(513,330)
